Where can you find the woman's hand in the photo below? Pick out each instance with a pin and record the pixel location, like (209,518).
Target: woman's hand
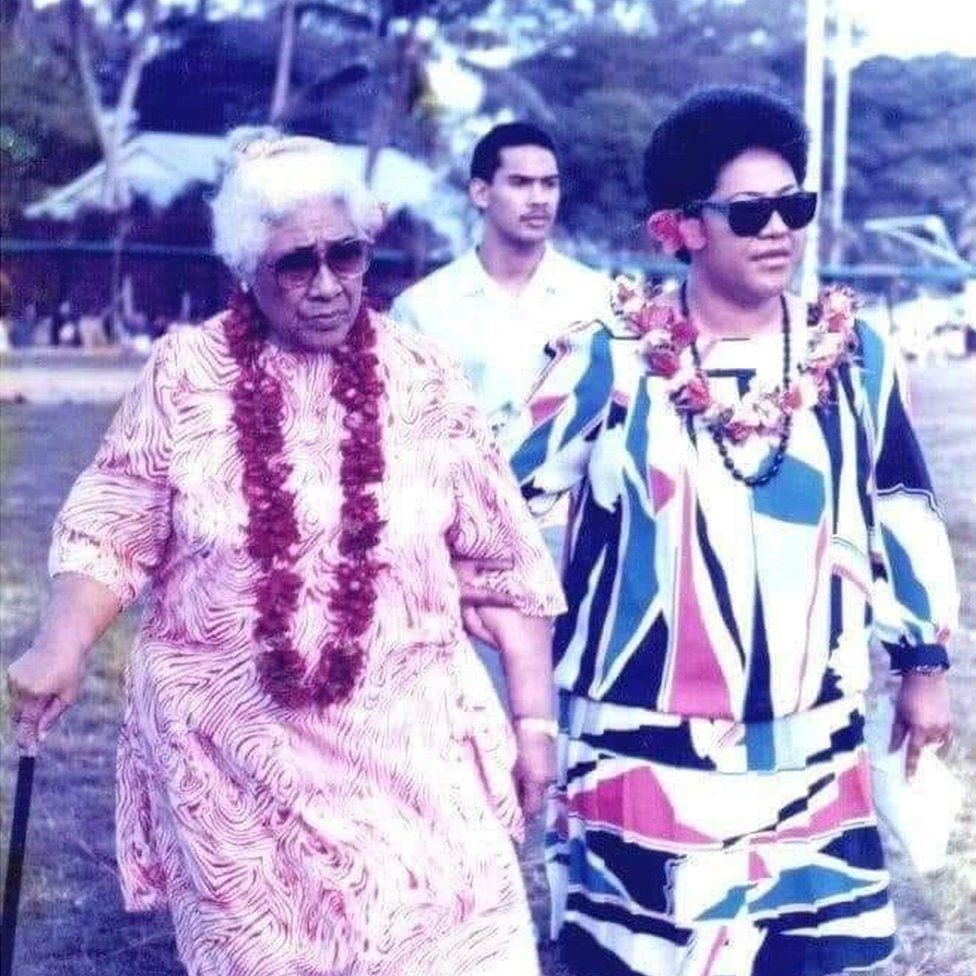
(922,715)
(43,683)
(45,680)
(477,601)
(535,768)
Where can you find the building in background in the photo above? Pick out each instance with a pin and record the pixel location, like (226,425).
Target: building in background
(63,251)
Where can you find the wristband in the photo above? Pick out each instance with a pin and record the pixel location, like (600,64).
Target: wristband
(532,723)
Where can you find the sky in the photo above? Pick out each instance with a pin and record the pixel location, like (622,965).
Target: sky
(906,28)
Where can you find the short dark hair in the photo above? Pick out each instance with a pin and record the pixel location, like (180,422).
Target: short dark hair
(487,157)
(709,129)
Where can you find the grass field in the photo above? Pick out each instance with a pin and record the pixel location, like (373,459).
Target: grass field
(72,923)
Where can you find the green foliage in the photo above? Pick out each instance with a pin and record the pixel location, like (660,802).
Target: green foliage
(45,136)
(443,11)
(600,87)
(609,88)
(912,145)
(602,135)
(913,138)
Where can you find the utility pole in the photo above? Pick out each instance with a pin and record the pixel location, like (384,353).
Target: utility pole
(842,98)
(813,111)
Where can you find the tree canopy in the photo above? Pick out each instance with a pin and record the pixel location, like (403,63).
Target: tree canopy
(600,79)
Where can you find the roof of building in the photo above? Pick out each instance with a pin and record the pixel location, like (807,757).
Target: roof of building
(161,165)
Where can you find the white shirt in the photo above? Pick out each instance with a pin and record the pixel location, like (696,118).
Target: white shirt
(497,337)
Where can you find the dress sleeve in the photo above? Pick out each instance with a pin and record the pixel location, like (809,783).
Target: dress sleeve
(916,600)
(115,523)
(491,520)
(551,439)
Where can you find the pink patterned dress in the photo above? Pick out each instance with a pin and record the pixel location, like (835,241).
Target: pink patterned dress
(374,839)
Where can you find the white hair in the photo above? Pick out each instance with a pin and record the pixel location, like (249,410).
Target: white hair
(266,177)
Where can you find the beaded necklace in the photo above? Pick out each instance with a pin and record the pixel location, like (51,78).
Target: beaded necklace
(773,463)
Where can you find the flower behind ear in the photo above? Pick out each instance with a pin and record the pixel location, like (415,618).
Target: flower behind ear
(664,228)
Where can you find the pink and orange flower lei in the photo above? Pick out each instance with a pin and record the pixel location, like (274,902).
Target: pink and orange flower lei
(272,527)
(666,338)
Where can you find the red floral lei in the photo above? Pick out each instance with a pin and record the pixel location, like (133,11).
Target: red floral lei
(272,528)
(666,339)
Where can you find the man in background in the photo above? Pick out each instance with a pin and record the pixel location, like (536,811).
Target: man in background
(496,306)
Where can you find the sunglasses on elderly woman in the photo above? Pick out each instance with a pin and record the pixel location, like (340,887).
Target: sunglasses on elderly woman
(748,217)
(345,259)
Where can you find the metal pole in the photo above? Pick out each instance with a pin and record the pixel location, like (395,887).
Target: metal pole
(814,114)
(842,96)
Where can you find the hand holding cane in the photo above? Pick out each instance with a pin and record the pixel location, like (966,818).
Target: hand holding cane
(33,715)
(44,682)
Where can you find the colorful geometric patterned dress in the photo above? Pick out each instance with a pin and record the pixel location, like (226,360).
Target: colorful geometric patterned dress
(714,815)
(371,839)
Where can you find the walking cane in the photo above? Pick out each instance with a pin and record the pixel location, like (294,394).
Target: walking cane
(15,863)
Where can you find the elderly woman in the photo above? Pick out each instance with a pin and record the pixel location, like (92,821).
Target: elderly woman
(751,510)
(314,774)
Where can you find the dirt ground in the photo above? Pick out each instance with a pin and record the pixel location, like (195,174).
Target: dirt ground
(72,923)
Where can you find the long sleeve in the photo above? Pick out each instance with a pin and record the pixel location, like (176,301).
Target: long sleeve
(491,520)
(551,439)
(916,600)
(114,525)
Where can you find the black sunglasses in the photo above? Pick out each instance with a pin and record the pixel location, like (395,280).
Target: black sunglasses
(748,217)
(345,259)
